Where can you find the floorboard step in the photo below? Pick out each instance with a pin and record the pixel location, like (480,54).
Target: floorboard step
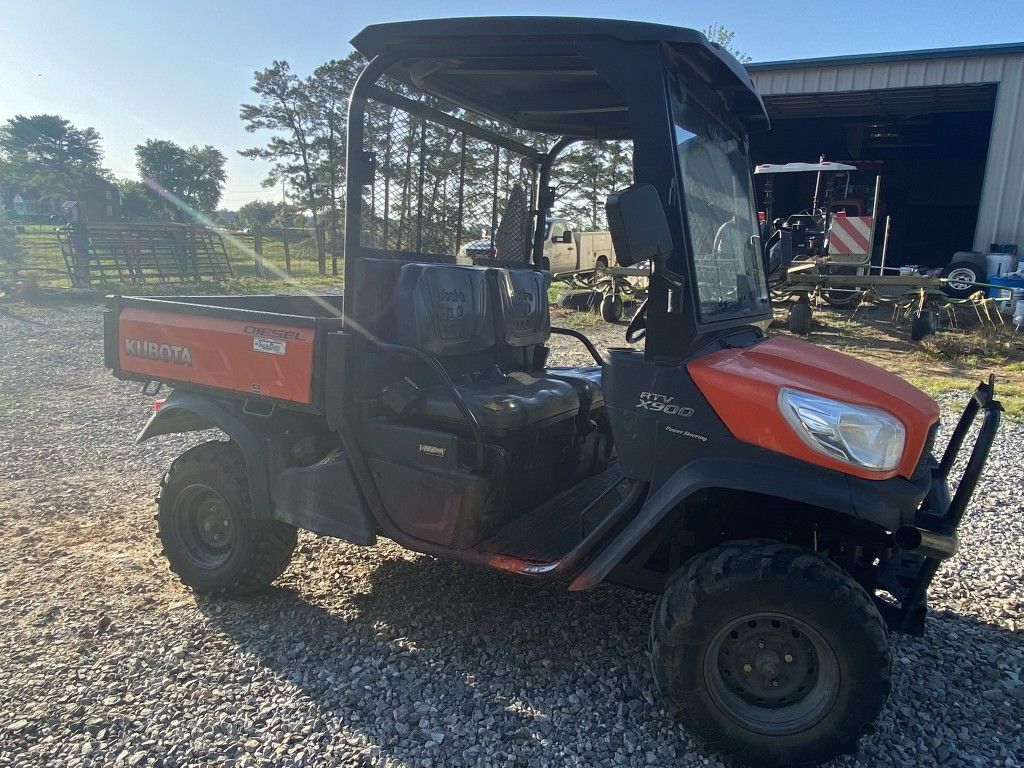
(557,526)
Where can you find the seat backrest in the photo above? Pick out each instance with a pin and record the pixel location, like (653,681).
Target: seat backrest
(512,241)
(444,309)
(521,306)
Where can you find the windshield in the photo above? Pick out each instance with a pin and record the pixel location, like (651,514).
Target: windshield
(719,201)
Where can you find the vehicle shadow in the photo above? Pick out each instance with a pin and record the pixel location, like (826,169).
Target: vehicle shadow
(492,664)
(515,670)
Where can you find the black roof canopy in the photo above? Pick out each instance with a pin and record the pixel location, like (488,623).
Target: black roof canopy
(532,71)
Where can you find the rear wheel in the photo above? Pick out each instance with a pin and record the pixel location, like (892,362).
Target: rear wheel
(770,652)
(206,526)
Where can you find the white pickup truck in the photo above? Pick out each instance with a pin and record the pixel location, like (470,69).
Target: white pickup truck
(571,251)
(567,250)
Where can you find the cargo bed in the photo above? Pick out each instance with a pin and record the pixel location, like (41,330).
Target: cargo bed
(241,346)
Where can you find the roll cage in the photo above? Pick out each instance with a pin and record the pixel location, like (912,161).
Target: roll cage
(455,124)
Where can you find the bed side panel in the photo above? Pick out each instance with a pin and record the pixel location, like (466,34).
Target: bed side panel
(250,356)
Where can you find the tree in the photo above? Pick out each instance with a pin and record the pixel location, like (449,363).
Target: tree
(48,155)
(719,34)
(327,91)
(194,175)
(306,119)
(284,109)
(226,218)
(588,173)
(261,214)
(139,202)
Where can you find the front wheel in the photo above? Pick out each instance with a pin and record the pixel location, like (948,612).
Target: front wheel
(771,653)
(205,521)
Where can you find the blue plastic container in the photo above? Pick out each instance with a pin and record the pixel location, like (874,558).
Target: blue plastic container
(1006,284)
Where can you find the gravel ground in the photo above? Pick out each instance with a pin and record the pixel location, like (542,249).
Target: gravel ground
(381,656)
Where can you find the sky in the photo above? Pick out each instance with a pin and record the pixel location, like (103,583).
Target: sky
(180,70)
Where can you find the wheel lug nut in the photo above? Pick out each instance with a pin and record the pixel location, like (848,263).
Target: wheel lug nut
(789,658)
(775,683)
(748,668)
(760,643)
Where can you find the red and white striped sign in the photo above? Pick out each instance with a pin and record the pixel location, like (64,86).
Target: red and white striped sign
(850,234)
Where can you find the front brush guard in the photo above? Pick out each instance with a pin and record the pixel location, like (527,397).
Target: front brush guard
(908,573)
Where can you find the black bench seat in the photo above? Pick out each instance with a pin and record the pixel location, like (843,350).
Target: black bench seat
(503,404)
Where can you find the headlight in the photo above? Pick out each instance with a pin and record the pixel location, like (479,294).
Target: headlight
(859,435)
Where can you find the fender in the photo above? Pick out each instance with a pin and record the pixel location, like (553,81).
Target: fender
(885,502)
(189,412)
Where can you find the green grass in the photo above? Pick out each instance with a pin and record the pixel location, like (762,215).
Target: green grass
(236,285)
(954,360)
(41,251)
(581,321)
(42,259)
(1009,393)
(951,361)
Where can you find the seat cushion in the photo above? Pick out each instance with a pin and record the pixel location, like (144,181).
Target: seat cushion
(586,382)
(502,404)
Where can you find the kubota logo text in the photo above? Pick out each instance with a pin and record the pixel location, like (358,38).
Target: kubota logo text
(151,350)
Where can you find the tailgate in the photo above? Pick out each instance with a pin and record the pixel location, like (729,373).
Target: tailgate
(247,354)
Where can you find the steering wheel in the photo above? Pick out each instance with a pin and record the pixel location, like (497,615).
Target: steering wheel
(637,328)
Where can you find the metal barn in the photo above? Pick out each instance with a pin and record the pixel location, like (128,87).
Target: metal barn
(944,127)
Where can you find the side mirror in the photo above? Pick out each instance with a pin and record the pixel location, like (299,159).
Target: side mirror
(638,225)
(567,237)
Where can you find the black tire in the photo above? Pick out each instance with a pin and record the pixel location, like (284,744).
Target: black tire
(922,325)
(205,523)
(602,262)
(967,272)
(736,589)
(611,308)
(800,319)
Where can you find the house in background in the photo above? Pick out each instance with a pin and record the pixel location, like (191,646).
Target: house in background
(98,200)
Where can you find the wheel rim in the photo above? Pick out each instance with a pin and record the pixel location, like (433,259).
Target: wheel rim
(772,673)
(205,526)
(960,279)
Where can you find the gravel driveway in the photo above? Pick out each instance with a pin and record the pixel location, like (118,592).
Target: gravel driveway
(381,656)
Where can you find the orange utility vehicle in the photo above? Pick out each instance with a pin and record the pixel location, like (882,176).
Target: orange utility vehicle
(782,499)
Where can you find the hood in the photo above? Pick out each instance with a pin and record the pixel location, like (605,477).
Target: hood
(742,385)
